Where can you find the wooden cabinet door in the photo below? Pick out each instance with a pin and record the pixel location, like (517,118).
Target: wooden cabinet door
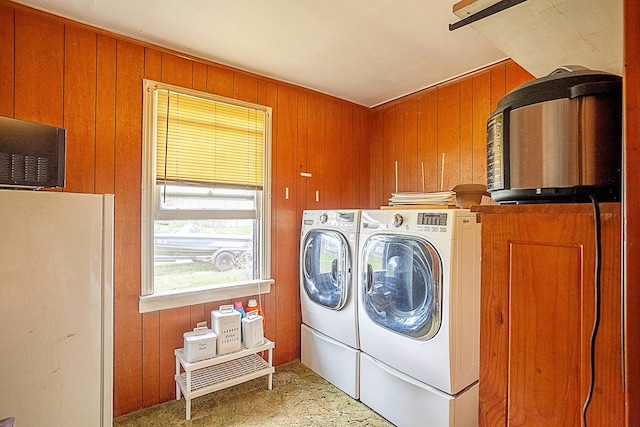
(537,314)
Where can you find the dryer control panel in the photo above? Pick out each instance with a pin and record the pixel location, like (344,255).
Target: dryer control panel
(426,218)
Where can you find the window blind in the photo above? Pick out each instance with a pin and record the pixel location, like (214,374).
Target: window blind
(207,142)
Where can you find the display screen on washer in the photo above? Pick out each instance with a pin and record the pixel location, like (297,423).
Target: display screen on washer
(345,217)
(432,218)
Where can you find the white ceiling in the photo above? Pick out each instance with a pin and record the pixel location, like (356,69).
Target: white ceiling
(365,51)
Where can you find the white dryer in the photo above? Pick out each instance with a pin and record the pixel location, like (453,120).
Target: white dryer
(328,296)
(419,300)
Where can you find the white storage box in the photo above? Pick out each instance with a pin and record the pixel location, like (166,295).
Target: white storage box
(199,344)
(252,330)
(226,323)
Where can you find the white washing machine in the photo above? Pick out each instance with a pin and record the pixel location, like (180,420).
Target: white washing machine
(419,301)
(328,296)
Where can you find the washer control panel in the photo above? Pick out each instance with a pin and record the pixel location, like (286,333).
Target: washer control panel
(346,220)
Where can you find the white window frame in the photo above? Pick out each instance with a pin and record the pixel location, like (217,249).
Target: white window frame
(150,203)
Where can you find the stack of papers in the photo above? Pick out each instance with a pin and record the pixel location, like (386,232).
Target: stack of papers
(446,198)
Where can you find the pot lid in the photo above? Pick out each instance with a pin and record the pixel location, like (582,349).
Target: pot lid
(569,81)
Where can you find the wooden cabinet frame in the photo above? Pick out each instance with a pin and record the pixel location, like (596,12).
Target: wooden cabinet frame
(537,312)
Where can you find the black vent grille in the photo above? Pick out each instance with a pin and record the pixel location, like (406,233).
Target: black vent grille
(31,154)
(23,170)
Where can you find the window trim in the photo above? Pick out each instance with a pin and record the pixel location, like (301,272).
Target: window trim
(150,301)
(163,301)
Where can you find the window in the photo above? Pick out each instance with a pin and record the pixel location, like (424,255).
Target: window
(205,200)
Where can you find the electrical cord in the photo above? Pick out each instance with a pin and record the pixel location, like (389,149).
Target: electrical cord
(596,319)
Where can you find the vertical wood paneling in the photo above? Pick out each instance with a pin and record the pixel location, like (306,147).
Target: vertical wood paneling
(285,154)
(498,84)
(428,138)
(411,171)
(39,68)
(448,135)
(364,196)
(466,131)
(245,88)
(399,147)
(105,115)
(219,81)
(347,181)
(177,71)
(301,156)
(128,148)
(7,53)
(152,64)
(151,358)
(451,118)
(332,154)
(631,179)
(210,306)
(199,76)
(80,108)
(198,314)
(268,96)
(173,323)
(515,75)
(301,188)
(377,156)
(286,247)
(315,150)
(367,192)
(481,112)
(388,152)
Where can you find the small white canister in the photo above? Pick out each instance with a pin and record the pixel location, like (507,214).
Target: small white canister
(199,344)
(252,330)
(226,323)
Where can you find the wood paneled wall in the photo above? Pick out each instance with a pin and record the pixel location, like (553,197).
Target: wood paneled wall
(631,206)
(62,73)
(448,119)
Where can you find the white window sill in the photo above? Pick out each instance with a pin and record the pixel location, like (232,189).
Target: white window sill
(164,301)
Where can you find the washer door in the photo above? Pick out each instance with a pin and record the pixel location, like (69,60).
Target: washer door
(326,268)
(402,285)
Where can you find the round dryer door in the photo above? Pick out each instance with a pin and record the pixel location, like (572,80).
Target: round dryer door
(326,268)
(402,284)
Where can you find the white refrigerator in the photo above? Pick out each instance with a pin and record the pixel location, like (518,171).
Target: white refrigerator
(56,308)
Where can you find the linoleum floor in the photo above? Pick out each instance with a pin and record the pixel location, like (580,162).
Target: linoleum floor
(299,398)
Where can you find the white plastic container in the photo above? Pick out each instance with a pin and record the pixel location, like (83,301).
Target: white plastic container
(199,344)
(225,322)
(252,330)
